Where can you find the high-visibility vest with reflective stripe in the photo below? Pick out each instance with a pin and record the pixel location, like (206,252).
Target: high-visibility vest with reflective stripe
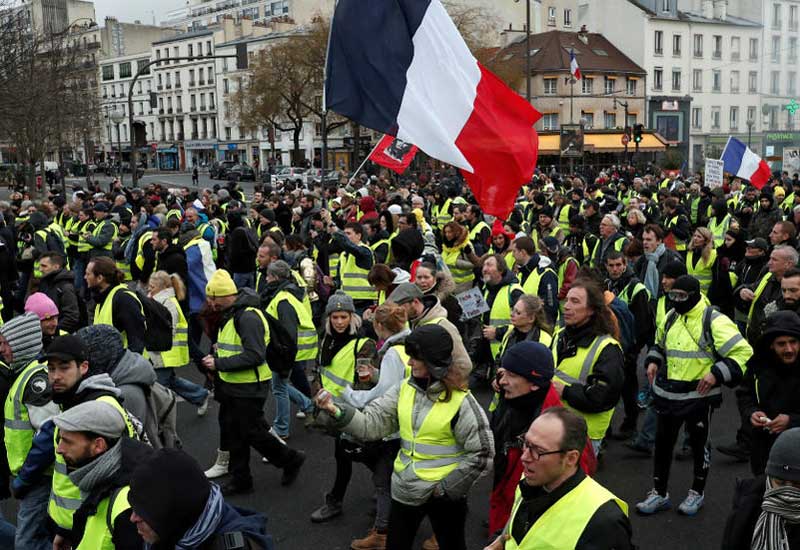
(531,284)
(762,284)
(333,265)
(178,355)
(307,341)
(441,215)
(427,443)
(404,357)
(562,268)
(661,310)
(451,255)
(500,314)
(376,245)
(719,229)
(70,228)
(342,370)
(694,209)
(18,430)
(576,370)
(680,244)
(354,279)
(104,313)
(58,231)
(139,259)
(174,213)
(122,265)
(87,227)
(97,534)
(99,227)
(475,232)
(630,292)
(702,271)
(560,527)
(65,497)
(229,344)
(563,218)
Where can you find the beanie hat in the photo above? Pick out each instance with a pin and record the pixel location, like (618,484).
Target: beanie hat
(169,491)
(221,284)
(104,347)
(673,270)
(279,269)
(432,345)
(93,416)
(531,360)
(687,283)
(546,211)
(267,213)
(41,305)
(24,337)
(339,301)
(784,457)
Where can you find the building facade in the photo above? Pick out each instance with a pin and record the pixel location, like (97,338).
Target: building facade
(197,14)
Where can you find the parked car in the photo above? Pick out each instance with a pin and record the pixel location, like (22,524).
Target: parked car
(218,170)
(126,169)
(292,174)
(242,172)
(314,175)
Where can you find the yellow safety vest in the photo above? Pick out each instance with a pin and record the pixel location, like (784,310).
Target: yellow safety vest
(500,314)
(531,284)
(229,344)
(354,279)
(99,227)
(333,265)
(178,355)
(18,431)
(562,525)
(122,265)
(702,271)
(427,443)
(342,370)
(104,313)
(404,357)
(139,259)
(719,229)
(475,232)
(576,370)
(563,218)
(451,255)
(307,341)
(680,245)
(87,227)
(97,534)
(544,339)
(440,214)
(762,284)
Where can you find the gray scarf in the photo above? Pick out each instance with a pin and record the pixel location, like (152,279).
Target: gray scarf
(651,279)
(781,505)
(99,470)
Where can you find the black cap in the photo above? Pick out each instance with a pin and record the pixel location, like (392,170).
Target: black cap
(100,207)
(67,348)
(687,283)
(758,243)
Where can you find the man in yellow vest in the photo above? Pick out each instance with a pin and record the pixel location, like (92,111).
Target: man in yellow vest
(501,292)
(696,351)
(557,504)
(100,460)
(763,296)
(115,304)
(242,382)
(537,274)
(101,239)
(354,264)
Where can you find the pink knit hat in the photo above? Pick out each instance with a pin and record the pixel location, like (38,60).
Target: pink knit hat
(41,305)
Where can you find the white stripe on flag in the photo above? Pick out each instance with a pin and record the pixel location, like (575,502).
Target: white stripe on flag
(750,162)
(442,83)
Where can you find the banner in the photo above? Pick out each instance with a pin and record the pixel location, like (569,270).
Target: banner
(394,154)
(472,303)
(714,170)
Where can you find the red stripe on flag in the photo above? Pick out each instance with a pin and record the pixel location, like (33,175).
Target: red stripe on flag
(500,143)
(761,176)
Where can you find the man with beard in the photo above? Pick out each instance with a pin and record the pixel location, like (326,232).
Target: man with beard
(790,291)
(748,272)
(649,268)
(501,292)
(115,305)
(100,461)
(58,284)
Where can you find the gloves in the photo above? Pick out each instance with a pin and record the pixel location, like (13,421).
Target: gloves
(19,488)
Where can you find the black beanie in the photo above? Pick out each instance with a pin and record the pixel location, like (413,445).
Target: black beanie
(687,283)
(434,346)
(169,492)
(673,270)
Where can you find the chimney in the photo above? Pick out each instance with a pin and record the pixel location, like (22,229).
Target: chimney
(721,9)
(583,35)
(228,28)
(708,9)
(247,26)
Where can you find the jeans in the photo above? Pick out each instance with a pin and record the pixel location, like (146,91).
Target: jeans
(244,280)
(7,533)
(79,270)
(191,392)
(32,530)
(284,393)
(448,519)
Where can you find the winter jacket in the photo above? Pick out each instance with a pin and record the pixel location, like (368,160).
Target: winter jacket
(435,310)
(444,289)
(60,287)
(491,291)
(669,256)
(763,221)
(126,316)
(241,254)
(287,316)
(173,260)
(99,241)
(548,283)
(163,298)
(392,373)
(639,307)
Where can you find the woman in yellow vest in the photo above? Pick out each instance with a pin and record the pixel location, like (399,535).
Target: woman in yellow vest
(701,258)
(446,444)
(168,290)
(434,282)
(459,256)
(342,345)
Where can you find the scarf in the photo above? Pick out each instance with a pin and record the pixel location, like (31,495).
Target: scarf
(652,281)
(99,470)
(205,526)
(781,505)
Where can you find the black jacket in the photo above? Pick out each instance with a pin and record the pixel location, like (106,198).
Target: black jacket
(491,293)
(127,317)
(640,307)
(173,260)
(609,528)
(60,287)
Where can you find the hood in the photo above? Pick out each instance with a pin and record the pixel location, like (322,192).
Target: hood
(99,382)
(394,338)
(38,220)
(60,276)
(289,286)
(163,295)
(545,261)
(780,323)
(433,308)
(407,246)
(247,298)
(445,285)
(367,204)
(133,369)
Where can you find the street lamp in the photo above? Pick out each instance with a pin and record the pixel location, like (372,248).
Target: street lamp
(527,49)
(750,124)
(117,116)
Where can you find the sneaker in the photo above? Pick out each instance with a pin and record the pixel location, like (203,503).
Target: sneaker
(373,541)
(640,448)
(300,414)
(232,488)
(331,509)
(291,470)
(281,438)
(430,543)
(653,504)
(691,504)
(220,467)
(736,451)
(203,408)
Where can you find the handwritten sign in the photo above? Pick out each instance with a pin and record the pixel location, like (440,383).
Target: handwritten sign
(714,169)
(472,303)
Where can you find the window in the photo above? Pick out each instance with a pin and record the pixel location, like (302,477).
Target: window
(177,79)
(676,80)
(792,49)
(658,42)
(715,111)
(776,16)
(664,5)
(227,132)
(630,86)
(108,72)
(190,51)
(717,54)
(141,66)
(697,80)
(139,87)
(226,88)
(753,49)
(176,53)
(588,119)
(193,102)
(792,18)
(775,82)
(716,81)
(105,92)
(550,121)
(791,85)
(609,85)
(734,116)
(587,85)
(697,117)
(776,49)
(191,77)
(631,119)
(736,46)
(551,16)
(210,100)
(610,120)
(676,44)
(751,114)
(567,18)
(550,85)
(179,104)
(199,48)
(210,75)
(752,82)
(734,82)
(698,45)
(208,47)
(658,78)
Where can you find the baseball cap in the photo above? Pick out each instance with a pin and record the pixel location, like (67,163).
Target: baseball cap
(758,243)
(67,348)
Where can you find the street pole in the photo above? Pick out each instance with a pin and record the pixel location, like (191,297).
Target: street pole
(528,50)
(119,148)
(324,150)
(571,97)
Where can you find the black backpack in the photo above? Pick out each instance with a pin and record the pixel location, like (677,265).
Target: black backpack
(158,329)
(281,349)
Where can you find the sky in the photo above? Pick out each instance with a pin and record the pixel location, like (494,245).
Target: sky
(130,11)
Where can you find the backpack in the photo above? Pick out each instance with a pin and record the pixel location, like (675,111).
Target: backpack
(706,335)
(158,328)
(323,290)
(281,349)
(626,322)
(161,425)
(252,239)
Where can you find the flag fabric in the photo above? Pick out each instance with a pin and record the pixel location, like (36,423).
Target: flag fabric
(394,154)
(743,163)
(573,66)
(401,67)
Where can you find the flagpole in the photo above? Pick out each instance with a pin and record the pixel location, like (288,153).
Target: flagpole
(323,161)
(360,166)
(571,96)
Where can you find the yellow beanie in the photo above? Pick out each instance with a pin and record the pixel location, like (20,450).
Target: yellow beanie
(221,284)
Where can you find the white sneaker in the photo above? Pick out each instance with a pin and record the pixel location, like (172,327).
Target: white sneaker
(203,409)
(220,467)
(279,438)
(300,414)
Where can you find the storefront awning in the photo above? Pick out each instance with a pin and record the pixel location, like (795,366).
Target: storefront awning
(603,143)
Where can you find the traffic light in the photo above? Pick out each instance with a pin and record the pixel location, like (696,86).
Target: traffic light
(638,129)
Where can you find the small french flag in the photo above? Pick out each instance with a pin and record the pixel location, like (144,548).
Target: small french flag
(573,66)
(743,163)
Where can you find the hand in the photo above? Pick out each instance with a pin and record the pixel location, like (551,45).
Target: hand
(759,419)
(489,332)
(558,386)
(60,543)
(778,424)
(324,401)
(495,385)
(652,370)
(705,385)
(746,294)
(209,362)
(499,543)
(328,280)
(368,315)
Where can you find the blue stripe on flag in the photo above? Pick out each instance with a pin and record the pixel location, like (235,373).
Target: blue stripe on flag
(733,154)
(367,84)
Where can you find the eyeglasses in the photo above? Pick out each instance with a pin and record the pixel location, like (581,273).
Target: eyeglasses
(535,453)
(678,295)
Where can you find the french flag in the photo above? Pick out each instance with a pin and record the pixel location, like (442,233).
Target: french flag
(573,66)
(743,163)
(400,67)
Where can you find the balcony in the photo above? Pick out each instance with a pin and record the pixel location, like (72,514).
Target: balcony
(716,55)
(177,85)
(161,111)
(202,107)
(191,84)
(168,86)
(210,81)
(212,107)
(159,87)
(193,108)
(169,111)
(179,110)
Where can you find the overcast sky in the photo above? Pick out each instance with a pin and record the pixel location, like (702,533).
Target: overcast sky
(130,11)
